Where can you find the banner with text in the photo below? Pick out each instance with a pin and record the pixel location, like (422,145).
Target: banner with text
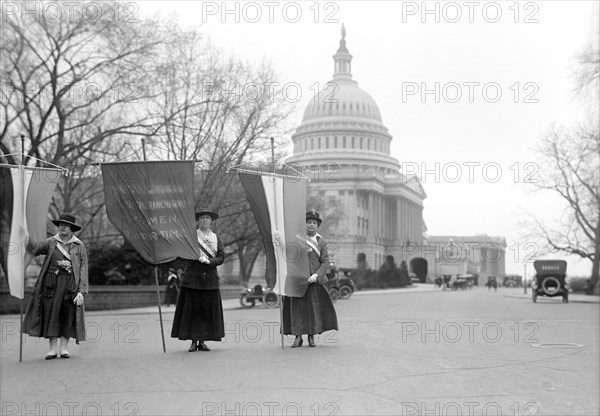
(152,205)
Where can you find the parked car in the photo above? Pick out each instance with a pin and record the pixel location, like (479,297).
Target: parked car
(550,280)
(340,284)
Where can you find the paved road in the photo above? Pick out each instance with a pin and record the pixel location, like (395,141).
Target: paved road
(403,352)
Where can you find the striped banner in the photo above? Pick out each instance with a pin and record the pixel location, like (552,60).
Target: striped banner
(26,194)
(279,207)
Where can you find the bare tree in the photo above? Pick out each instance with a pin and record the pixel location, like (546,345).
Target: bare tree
(222,112)
(571,161)
(71,85)
(571,169)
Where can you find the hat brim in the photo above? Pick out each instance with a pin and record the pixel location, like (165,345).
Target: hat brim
(74,227)
(211,214)
(319,221)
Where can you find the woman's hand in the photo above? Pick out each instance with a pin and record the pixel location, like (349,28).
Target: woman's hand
(312,278)
(78,299)
(204,259)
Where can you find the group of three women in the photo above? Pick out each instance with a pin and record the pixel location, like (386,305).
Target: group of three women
(55,309)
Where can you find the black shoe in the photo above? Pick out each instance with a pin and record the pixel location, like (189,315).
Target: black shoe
(65,355)
(193,347)
(297,342)
(311,341)
(202,346)
(51,356)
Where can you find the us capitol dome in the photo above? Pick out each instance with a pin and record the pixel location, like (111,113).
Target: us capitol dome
(343,146)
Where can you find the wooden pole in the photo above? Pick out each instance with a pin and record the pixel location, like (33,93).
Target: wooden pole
(280,296)
(22,300)
(162,331)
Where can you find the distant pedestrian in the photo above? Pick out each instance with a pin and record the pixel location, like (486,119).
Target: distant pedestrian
(172,289)
(314,312)
(55,308)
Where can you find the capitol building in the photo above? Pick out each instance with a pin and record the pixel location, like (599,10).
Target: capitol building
(371,210)
(342,132)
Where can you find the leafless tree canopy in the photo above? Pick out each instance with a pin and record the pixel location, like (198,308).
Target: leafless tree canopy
(571,169)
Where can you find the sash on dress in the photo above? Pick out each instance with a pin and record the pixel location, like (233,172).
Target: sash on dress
(312,244)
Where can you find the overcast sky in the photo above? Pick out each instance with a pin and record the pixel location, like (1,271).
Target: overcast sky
(503,73)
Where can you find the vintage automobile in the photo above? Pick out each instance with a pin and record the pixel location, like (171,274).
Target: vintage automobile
(340,284)
(464,281)
(512,280)
(550,279)
(250,295)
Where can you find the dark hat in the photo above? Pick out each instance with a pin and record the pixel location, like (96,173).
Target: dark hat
(313,215)
(68,219)
(206,211)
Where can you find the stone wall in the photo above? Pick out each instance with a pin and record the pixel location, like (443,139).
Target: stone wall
(111,297)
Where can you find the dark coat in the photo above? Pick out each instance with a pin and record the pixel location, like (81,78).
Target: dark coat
(203,276)
(32,324)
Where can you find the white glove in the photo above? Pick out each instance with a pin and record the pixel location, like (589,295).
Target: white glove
(204,259)
(78,299)
(312,278)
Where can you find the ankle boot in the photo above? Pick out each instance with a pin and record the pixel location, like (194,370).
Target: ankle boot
(311,341)
(297,342)
(52,351)
(64,343)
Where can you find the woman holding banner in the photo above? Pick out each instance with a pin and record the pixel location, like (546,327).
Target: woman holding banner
(55,308)
(314,312)
(199,312)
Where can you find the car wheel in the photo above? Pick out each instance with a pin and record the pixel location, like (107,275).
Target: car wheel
(245,302)
(271,300)
(334,294)
(345,292)
(550,285)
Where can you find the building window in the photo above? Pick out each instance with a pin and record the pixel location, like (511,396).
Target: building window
(361,143)
(344,142)
(335,143)
(312,143)
(319,143)
(327,142)
(353,144)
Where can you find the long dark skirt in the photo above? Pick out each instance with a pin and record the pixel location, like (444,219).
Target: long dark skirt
(198,315)
(58,309)
(311,314)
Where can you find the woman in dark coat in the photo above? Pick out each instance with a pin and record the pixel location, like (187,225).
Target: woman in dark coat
(314,312)
(55,308)
(199,312)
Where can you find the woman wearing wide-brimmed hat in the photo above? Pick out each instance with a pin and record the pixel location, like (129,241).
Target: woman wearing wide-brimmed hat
(314,312)
(55,309)
(199,312)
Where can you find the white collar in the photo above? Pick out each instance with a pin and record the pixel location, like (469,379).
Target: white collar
(73,239)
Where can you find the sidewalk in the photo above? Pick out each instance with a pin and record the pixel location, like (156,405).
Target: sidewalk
(573,297)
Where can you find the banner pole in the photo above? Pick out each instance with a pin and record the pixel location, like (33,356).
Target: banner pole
(280,296)
(24,219)
(162,331)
